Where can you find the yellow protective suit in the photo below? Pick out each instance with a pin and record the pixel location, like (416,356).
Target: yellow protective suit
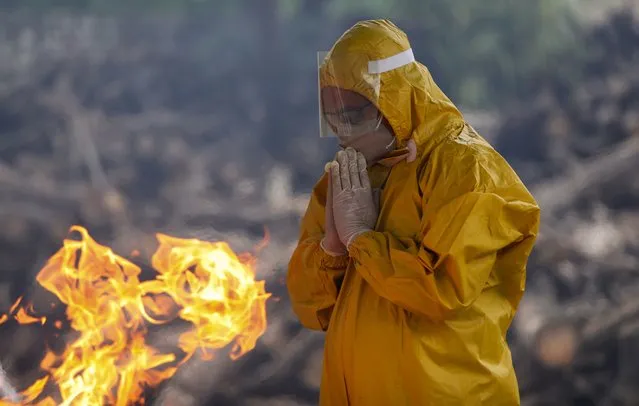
(417,313)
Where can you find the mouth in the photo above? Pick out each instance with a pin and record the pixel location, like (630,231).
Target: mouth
(349,142)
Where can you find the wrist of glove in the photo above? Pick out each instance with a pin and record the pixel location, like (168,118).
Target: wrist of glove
(333,249)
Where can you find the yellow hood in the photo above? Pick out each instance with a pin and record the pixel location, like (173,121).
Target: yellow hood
(408,97)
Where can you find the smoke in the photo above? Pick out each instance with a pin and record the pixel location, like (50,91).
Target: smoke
(7,391)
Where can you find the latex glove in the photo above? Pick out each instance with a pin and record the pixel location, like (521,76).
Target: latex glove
(331,243)
(354,208)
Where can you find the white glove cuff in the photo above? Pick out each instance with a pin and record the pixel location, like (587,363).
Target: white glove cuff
(329,252)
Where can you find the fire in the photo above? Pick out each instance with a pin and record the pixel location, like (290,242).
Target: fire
(109,308)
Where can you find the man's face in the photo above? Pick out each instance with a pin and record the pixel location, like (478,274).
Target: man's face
(356,122)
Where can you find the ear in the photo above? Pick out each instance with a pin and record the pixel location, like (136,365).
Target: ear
(386,123)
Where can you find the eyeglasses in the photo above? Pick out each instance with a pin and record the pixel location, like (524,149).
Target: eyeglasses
(350,116)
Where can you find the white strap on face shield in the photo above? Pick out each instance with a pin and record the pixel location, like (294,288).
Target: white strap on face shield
(392,62)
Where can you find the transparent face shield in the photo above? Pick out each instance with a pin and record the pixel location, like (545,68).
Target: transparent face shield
(343,113)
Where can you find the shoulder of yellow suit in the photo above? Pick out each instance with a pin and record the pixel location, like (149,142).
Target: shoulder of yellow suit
(408,97)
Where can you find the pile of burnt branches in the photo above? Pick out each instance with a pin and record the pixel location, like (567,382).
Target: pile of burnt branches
(577,145)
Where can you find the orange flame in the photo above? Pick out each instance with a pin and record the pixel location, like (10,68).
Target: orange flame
(108,306)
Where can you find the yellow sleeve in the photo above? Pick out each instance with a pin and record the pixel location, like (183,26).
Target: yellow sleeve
(477,218)
(314,277)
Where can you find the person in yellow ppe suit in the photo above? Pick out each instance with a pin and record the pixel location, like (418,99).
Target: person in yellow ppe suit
(413,249)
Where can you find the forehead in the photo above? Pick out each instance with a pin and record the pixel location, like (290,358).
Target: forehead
(334,99)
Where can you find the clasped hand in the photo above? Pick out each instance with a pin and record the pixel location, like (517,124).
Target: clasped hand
(354,208)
